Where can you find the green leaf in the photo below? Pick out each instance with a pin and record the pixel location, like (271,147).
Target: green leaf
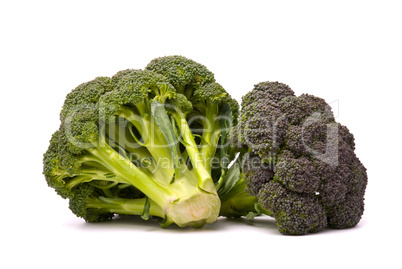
(162,120)
(229,180)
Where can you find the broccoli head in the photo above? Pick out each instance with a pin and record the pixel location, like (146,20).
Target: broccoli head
(128,145)
(299,162)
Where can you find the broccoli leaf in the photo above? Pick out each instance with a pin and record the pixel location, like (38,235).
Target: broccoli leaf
(229,180)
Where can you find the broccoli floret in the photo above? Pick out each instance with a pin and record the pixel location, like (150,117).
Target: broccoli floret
(79,204)
(184,74)
(296,174)
(125,145)
(257,178)
(262,124)
(300,163)
(268,91)
(295,213)
(85,95)
(214,110)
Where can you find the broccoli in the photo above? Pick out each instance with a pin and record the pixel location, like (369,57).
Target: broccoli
(143,143)
(297,161)
(159,142)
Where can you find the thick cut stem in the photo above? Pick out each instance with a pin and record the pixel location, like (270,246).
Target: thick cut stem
(196,211)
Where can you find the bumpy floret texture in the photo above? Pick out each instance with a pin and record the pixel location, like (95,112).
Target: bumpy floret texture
(78,202)
(295,213)
(181,72)
(297,175)
(256,178)
(304,168)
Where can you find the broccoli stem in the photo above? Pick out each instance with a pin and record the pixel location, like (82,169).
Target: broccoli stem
(124,206)
(153,139)
(125,144)
(127,171)
(210,135)
(97,172)
(203,175)
(183,201)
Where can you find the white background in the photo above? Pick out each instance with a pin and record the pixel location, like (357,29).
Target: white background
(348,52)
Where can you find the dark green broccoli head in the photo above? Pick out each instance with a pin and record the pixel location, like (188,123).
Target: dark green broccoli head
(272,119)
(311,156)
